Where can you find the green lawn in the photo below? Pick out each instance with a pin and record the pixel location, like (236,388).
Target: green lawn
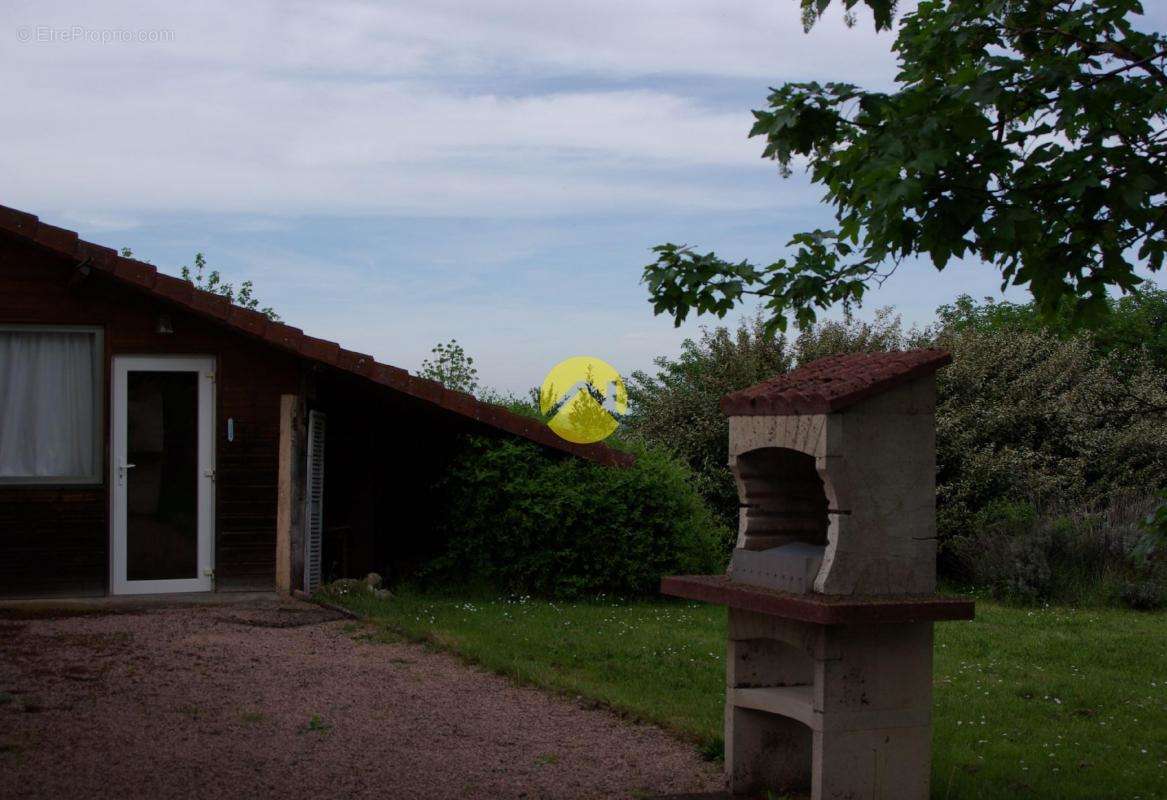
(1044,703)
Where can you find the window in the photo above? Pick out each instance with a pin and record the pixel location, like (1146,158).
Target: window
(50,404)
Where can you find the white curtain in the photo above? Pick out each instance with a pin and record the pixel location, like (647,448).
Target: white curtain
(47,385)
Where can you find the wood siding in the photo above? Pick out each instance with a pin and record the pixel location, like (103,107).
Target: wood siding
(55,539)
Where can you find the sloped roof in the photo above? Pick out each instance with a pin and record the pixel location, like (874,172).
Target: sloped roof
(145,277)
(833,383)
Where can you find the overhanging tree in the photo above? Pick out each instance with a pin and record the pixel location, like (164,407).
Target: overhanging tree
(1027,133)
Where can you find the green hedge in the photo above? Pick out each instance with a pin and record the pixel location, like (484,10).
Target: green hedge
(522,520)
(1051,441)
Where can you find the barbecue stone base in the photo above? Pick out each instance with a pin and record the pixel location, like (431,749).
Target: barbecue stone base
(843,710)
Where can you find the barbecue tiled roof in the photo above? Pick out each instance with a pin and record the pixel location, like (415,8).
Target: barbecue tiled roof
(145,277)
(833,383)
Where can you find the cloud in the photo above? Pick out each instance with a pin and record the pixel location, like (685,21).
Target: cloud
(516,108)
(443,38)
(393,174)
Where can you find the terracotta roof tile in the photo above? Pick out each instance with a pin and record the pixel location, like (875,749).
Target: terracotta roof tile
(56,238)
(178,290)
(388,374)
(283,335)
(247,320)
(286,337)
(367,367)
(18,222)
(348,360)
(211,303)
(320,350)
(833,383)
(133,271)
(101,257)
(426,389)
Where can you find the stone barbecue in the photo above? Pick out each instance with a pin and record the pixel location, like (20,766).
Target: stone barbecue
(831,587)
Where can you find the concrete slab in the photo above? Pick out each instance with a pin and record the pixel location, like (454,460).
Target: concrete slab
(29,608)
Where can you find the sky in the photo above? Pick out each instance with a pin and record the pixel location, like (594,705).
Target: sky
(391,175)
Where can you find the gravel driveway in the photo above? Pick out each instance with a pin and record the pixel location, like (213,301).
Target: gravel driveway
(279,698)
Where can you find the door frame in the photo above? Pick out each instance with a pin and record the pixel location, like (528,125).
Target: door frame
(122,365)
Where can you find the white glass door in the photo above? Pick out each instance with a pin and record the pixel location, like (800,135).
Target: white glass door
(162,474)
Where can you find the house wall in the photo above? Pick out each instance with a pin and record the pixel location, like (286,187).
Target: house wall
(55,539)
(383,453)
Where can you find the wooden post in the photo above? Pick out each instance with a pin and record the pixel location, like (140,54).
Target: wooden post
(290,503)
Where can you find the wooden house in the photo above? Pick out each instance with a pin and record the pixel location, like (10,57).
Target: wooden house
(157,438)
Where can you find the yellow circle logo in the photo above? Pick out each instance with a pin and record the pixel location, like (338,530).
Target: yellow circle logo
(575,397)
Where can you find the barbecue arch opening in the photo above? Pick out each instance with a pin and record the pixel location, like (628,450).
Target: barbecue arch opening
(784,519)
(783,498)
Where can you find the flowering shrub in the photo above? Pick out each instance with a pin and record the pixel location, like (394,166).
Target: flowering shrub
(1030,415)
(1022,415)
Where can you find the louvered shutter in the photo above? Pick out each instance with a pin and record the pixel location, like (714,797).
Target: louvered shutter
(314,522)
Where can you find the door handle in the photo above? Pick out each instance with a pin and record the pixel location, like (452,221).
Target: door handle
(122,470)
